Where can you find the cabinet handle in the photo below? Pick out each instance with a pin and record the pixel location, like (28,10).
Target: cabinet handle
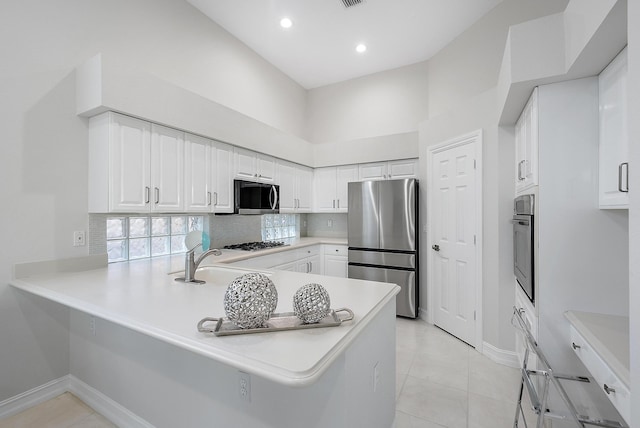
(574,346)
(620,189)
(255,175)
(334,204)
(338,203)
(608,389)
(157,192)
(147,192)
(436,247)
(209,198)
(215,198)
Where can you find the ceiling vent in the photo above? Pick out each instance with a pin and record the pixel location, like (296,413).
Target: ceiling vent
(350,3)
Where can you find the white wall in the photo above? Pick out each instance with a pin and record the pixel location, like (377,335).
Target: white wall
(390,102)
(634,209)
(44,144)
(470,64)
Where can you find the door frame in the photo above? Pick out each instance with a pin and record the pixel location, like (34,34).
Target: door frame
(474,138)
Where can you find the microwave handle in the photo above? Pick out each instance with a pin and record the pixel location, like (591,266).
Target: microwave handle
(273,197)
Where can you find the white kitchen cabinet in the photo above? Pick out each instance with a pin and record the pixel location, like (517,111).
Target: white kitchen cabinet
(208,177)
(330,187)
(614,137)
(309,260)
(134,166)
(526,136)
(388,170)
(167,169)
(253,166)
(335,260)
(296,187)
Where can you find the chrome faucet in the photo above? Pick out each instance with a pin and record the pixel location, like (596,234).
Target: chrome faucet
(191,264)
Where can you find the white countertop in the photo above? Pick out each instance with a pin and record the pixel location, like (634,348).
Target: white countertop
(608,335)
(141,295)
(230,256)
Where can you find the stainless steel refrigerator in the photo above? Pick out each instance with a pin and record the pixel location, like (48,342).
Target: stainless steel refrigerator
(383,237)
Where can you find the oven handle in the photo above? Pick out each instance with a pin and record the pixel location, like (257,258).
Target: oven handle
(521,222)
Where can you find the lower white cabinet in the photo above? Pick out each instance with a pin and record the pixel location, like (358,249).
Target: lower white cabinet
(335,260)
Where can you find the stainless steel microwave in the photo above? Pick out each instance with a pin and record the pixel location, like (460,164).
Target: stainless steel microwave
(256,198)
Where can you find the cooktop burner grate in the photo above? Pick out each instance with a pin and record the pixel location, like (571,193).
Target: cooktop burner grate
(254,246)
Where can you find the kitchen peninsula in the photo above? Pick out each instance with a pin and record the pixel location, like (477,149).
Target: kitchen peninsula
(133,338)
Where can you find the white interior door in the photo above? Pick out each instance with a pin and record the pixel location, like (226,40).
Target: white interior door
(454,211)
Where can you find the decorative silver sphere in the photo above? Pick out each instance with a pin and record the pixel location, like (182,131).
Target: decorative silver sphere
(250,300)
(311,303)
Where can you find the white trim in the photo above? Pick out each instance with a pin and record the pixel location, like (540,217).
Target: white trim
(501,356)
(423,315)
(33,397)
(474,138)
(116,413)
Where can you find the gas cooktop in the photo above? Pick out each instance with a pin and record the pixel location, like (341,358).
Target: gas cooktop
(254,246)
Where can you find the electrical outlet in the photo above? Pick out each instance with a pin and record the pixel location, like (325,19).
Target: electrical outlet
(92,326)
(329,223)
(376,377)
(78,238)
(244,386)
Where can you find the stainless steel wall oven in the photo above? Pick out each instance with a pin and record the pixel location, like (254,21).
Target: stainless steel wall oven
(523,251)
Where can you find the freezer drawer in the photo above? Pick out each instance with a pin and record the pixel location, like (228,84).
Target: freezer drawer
(382,258)
(407,299)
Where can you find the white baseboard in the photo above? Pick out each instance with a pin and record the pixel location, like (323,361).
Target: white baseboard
(500,356)
(99,402)
(422,314)
(35,396)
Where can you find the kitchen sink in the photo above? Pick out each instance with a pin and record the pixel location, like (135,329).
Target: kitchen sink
(220,275)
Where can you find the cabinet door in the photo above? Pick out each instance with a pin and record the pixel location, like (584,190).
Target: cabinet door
(406,168)
(614,137)
(324,183)
(344,175)
(266,168)
(527,145)
(304,189)
(245,164)
(167,169)
(335,266)
(129,165)
(222,177)
(197,179)
(373,171)
(287,181)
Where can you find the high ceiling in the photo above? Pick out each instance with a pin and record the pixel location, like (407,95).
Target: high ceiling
(319,48)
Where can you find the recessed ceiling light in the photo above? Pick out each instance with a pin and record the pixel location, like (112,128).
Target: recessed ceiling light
(286,23)
(361,48)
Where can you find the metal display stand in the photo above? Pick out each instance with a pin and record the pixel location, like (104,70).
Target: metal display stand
(539,400)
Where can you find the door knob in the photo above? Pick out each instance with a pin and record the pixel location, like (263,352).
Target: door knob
(436,247)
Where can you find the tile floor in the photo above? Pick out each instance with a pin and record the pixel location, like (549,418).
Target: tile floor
(443,382)
(440,382)
(64,411)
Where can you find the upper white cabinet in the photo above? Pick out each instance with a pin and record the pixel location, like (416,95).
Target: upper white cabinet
(296,187)
(330,187)
(134,166)
(208,177)
(388,170)
(167,169)
(253,166)
(614,137)
(527,145)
